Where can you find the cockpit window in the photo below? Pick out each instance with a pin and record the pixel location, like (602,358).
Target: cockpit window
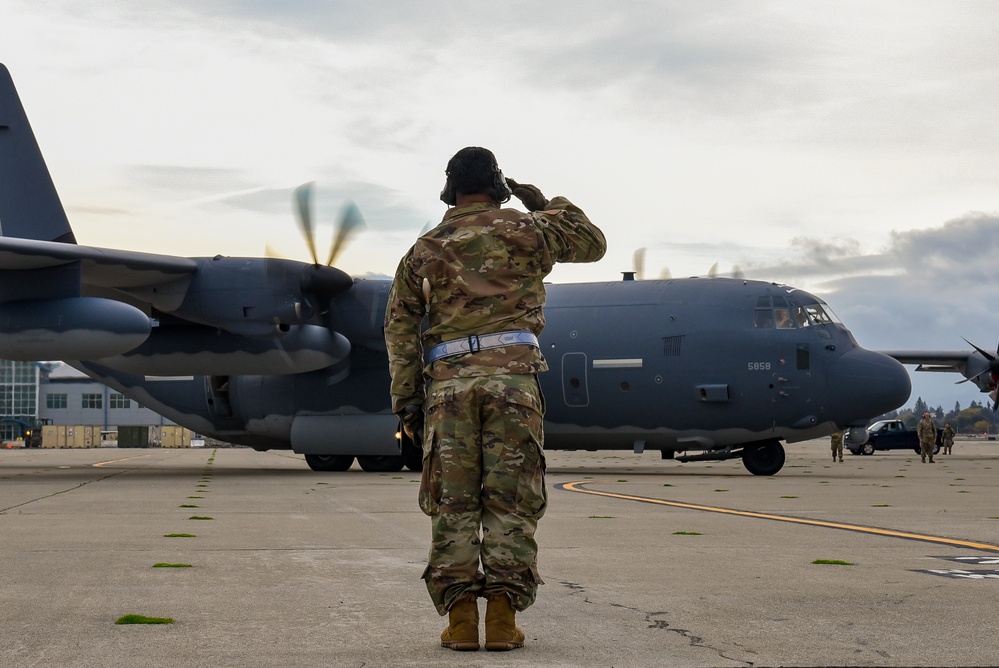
(773,313)
(814,314)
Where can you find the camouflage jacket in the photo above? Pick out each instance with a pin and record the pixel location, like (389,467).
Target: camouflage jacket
(926,430)
(480,271)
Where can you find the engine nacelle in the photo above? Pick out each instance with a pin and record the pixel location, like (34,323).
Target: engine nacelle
(203,351)
(69,328)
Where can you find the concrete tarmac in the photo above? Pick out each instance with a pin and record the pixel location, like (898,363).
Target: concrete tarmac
(668,564)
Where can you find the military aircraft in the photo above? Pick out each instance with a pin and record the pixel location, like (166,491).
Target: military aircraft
(278,354)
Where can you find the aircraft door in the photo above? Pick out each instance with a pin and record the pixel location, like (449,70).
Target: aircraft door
(574,386)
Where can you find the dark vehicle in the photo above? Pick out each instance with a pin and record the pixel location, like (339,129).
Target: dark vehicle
(888,435)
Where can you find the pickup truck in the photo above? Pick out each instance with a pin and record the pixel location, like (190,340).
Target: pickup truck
(888,435)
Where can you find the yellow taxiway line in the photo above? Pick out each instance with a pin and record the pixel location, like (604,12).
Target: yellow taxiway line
(578,487)
(115,461)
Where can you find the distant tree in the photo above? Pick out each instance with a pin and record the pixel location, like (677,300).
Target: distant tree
(982,426)
(968,418)
(957,407)
(938,413)
(920,407)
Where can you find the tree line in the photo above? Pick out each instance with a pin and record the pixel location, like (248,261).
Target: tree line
(977,418)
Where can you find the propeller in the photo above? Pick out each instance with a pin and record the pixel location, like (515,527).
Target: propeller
(638,268)
(348,223)
(318,282)
(992,370)
(638,261)
(736,271)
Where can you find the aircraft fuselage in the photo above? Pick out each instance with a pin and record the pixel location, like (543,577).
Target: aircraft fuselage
(680,365)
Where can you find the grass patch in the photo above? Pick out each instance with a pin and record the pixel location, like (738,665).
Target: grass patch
(188,505)
(788,496)
(666,484)
(881,505)
(721,490)
(166,565)
(686,533)
(200,517)
(832,562)
(622,480)
(179,535)
(195,497)
(601,517)
(142,619)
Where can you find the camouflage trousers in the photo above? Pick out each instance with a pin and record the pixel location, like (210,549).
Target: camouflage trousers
(483,486)
(926,449)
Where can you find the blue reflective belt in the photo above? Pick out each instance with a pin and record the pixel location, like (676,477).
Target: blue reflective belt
(474,344)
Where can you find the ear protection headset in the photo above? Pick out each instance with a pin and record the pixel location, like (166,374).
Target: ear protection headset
(498,190)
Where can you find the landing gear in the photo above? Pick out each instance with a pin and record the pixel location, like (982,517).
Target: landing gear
(764,458)
(329,462)
(381,464)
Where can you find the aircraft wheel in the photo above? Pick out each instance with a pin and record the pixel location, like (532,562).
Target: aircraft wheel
(867,449)
(329,462)
(381,464)
(764,458)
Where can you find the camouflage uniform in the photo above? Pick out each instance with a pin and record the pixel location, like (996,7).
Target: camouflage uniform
(927,432)
(481,271)
(948,439)
(836,440)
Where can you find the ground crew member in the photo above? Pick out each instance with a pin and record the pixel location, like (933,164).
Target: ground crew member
(837,445)
(947,438)
(927,432)
(468,383)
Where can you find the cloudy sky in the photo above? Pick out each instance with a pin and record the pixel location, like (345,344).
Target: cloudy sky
(847,148)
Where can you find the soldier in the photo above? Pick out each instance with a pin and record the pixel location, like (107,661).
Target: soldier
(947,438)
(468,382)
(837,445)
(927,432)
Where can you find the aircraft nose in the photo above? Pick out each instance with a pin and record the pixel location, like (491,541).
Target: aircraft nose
(868,384)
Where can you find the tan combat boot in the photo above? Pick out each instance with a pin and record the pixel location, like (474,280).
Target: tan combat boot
(502,633)
(462,632)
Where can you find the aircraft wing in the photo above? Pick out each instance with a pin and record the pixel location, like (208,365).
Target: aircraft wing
(974,365)
(933,360)
(101,267)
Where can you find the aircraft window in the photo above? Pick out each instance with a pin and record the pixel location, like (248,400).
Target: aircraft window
(783,318)
(800,317)
(829,313)
(763,302)
(780,302)
(817,315)
(764,318)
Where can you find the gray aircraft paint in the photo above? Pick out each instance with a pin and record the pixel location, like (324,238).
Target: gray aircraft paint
(277,354)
